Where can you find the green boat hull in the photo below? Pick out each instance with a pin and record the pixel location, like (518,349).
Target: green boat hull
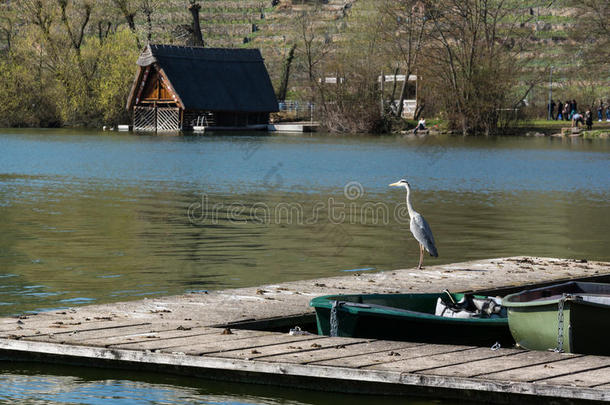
(406,317)
(534,319)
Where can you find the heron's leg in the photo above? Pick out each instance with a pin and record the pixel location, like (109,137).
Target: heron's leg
(421,256)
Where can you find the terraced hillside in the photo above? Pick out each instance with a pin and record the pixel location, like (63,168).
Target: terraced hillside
(267,25)
(270,25)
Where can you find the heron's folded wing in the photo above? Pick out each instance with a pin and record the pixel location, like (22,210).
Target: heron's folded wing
(422,232)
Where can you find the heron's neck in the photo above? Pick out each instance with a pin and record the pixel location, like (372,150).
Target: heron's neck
(409,205)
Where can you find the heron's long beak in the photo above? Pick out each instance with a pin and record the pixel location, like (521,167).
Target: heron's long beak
(397,184)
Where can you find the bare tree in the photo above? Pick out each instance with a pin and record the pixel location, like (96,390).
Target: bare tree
(591,32)
(76,38)
(475,59)
(403,30)
(38,13)
(314,43)
(281,95)
(129,12)
(148,8)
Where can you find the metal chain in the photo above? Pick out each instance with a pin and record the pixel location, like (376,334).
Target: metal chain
(334,320)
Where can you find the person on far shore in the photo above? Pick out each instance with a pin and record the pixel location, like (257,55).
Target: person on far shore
(566,111)
(608,111)
(559,116)
(577,118)
(421,126)
(589,119)
(551,110)
(574,107)
(600,111)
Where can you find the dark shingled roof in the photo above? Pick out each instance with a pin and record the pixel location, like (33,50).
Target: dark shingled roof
(215,79)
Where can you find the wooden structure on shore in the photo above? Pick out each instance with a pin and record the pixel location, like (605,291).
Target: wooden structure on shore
(179,87)
(409,106)
(226,335)
(293,126)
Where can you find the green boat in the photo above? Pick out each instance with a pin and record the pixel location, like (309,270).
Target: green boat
(571,317)
(411,317)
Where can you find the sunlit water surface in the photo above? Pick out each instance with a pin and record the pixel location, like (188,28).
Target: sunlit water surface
(45,384)
(91,217)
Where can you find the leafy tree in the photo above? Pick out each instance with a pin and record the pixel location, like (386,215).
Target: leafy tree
(115,76)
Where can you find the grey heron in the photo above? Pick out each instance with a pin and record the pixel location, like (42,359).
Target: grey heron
(419,226)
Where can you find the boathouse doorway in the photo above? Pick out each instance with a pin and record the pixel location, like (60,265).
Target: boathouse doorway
(153,118)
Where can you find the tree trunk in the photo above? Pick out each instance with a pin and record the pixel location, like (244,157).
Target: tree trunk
(281,95)
(197,37)
(147,8)
(129,17)
(403,93)
(394,87)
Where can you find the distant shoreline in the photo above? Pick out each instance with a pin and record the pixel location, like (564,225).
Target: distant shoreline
(527,128)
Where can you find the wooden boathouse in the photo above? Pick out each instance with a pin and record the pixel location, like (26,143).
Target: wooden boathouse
(180,87)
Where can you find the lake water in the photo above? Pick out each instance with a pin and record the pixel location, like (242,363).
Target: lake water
(91,217)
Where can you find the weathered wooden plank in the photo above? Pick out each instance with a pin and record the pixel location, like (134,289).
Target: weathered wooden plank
(154,334)
(202,365)
(63,329)
(190,341)
(254,344)
(424,364)
(543,371)
(365,360)
(71,335)
(37,323)
(173,338)
(15,321)
(61,320)
(316,344)
(590,378)
(341,352)
(140,333)
(518,360)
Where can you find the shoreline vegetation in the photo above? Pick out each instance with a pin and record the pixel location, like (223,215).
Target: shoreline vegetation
(482,67)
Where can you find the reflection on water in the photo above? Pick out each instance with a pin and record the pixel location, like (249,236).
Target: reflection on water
(52,384)
(86,218)
(38,384)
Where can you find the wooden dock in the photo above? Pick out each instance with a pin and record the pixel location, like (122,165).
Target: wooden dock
(219,335)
